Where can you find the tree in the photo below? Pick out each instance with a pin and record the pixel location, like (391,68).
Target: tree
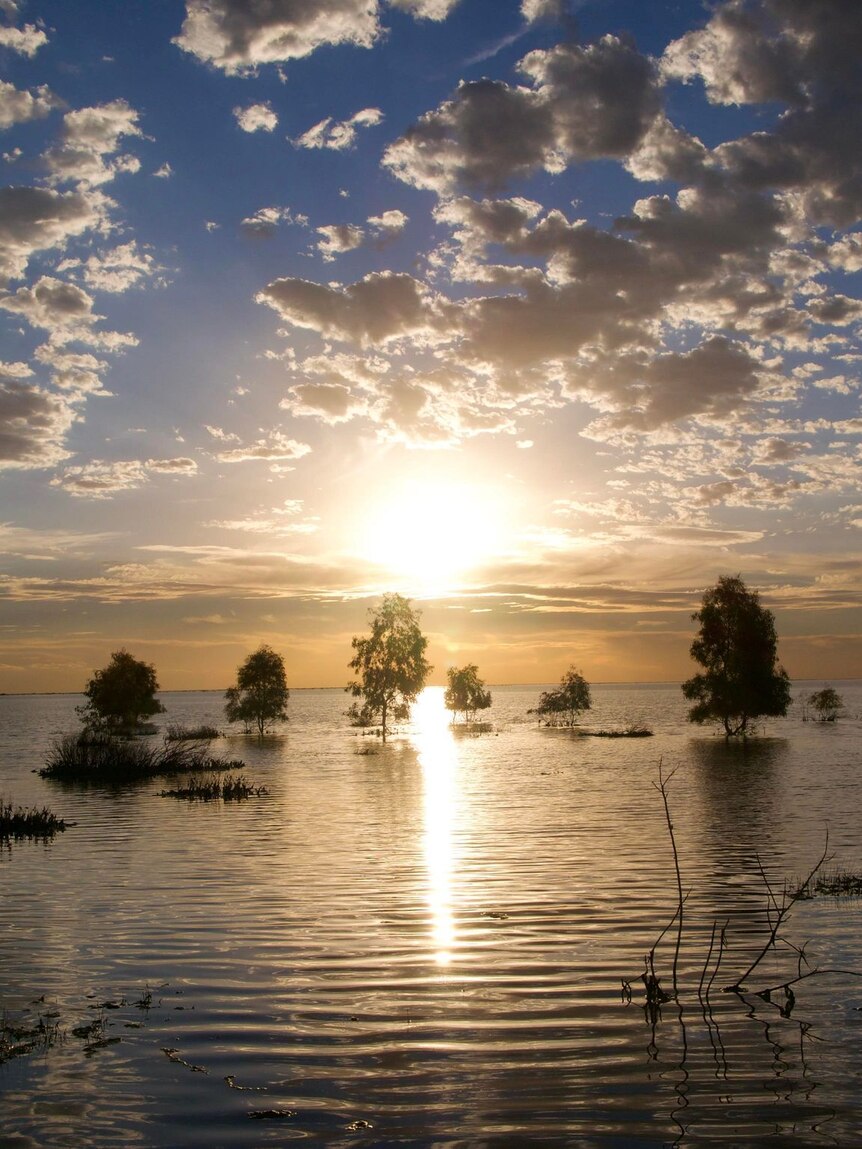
(120,695)
(466,692)
(736,646)
(260,695)
(390,664)
(572,697)
(827,703)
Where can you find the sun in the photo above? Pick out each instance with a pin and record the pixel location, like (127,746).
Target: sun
(429,536)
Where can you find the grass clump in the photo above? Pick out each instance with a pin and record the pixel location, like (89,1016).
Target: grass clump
(635,730)
(18,822)
(27,1036)
(228,787)
(102,758)
(835,883)
(177,733)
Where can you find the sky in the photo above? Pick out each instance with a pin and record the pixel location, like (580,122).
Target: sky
(544,313)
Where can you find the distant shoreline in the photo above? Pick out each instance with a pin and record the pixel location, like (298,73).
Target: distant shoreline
(340,689)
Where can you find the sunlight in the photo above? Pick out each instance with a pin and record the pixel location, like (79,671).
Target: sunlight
(432,534)
(439,762)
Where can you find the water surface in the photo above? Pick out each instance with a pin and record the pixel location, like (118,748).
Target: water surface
(425,943)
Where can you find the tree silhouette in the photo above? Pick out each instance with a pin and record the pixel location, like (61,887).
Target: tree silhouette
(569,700)
(390,664)
(120,695)
(466,692)
(260,695)
(827,703)
(736,646)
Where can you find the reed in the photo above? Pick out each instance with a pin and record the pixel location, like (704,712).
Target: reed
(228,787)
(177,733)
(101,758)
(20,822)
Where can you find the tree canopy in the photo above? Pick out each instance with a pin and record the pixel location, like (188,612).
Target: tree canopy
(562,706)
(466,693)
(120,694)
(826,703)
(260,695)
(736,646)
(389,664)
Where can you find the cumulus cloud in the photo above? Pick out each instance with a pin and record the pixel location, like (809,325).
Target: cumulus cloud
(339,238)
(586,102)
(273,448)
(89,135)
(266,220)
(35,219)
(25,41)
(237,36)
(76,373)
(116,270)
(17,107)
(381,307)
(338,136)
(102,480)
(65,310)
(331,403)
(33,425)
(256,117)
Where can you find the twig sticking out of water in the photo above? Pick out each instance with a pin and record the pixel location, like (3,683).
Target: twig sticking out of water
(777,913)
(661,786)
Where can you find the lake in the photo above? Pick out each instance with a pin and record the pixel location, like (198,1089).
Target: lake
(427,943)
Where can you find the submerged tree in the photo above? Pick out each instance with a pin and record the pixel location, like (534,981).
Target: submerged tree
(260,695)
(826,703)
(120,695)
(562,707)
(466,693)
(736,646)
(390,664)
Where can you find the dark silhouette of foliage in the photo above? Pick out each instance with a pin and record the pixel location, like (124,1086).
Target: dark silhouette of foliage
(120,695)
(562,707)
(826,703)
(466,693)
(736,646)
(390,664)
(261,694)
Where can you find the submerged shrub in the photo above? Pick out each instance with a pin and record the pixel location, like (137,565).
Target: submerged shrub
(177,733)
(228,787)
(101,758)
(18,822)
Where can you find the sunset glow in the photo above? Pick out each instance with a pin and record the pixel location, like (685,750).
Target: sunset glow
(544,313)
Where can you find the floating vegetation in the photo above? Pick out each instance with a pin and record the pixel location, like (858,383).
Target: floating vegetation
(635,730)
(271,1114)
(18,822)
(837,883)
(101,758)
(229,787)
(28,1035)
(178,733)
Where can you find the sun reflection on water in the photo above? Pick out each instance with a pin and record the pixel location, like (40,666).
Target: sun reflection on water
(439,761)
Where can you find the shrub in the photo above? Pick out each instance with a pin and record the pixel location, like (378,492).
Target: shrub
(100,758)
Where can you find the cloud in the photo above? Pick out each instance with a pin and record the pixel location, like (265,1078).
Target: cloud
(266,220)
(273,448)
(536,10)
(102,480)
(331,403)
(164,172)
(33,426)
(65,310)
(339,238)
(17,107)
(89,135)
(237,37)
(116,270)
(338,136)
(35,219)
(25,41)
(77,374)
(381,307)
(592,102)
(256,117)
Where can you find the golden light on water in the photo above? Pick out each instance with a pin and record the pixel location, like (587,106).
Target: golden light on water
(439,761)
